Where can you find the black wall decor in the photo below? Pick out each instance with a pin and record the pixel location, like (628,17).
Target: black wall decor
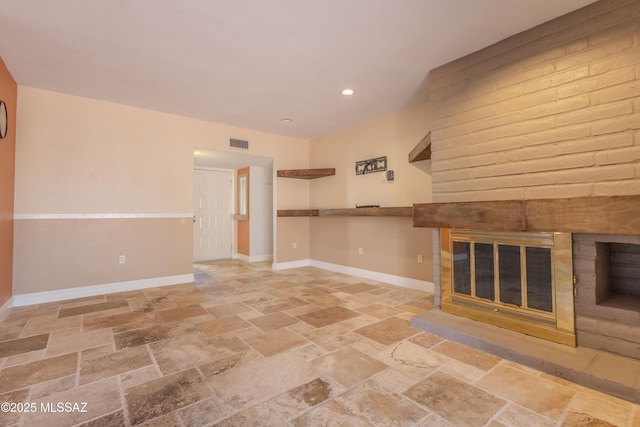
(378,164)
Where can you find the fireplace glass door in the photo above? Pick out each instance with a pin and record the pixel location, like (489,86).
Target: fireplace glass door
(511,279)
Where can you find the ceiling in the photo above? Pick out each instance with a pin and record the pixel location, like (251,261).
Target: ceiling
(251,63)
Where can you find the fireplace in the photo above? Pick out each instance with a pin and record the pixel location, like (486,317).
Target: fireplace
(521,281)
(607,303)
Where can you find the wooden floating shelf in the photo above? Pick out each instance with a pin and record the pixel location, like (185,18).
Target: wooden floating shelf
(601,215)
(380,212)
(422,151)
(306,173)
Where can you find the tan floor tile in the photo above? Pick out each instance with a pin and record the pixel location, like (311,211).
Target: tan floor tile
(462,371)
(139,376)
(125,321)
(92,308)
(9,417)
(327,316)
(19,376)
(23,345)
(168,420)
(114,419)
(412,359)
(182,313)
(332,337)
(325,301)
(50,323)
(79,302)
(11,330)
(380,406)
(194,350)
(227,309)
(468,355)
(516,416)
(600,409)
(457,402)
(304,309)
(331,413)
(535,393)
(426,340)
(581,419)
(20,359)
(97,351)
(365,298)
(388,331)
(258,382)
(358,322)
(202,413)
(368,346)
(223,325)
(380,311)
(164,395)
(153,333)
(396,380)
(273,321)
(348,366)
(69,341)
(47,388)
(101,398)
(227,363)
(300,399)
(258,416)
(111,364)
(309,352)
(275,342)
(357,288)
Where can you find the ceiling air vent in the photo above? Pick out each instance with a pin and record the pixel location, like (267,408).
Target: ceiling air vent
(238,143)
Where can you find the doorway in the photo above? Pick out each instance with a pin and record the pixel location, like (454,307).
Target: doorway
(212,214)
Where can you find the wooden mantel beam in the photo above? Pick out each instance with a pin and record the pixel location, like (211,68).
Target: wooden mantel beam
(602,215)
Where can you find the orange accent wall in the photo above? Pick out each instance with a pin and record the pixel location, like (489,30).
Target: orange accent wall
(243,225)
(8,94)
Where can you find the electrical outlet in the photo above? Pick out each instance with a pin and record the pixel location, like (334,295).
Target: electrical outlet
(420,259)
(122,259)
(360,250)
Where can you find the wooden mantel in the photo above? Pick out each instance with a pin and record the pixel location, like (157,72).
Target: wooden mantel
(601,215)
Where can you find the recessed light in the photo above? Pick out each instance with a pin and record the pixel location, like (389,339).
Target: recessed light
(347,92)
(196,153)
(286,120)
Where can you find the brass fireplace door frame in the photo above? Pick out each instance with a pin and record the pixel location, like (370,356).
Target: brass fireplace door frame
(557,326)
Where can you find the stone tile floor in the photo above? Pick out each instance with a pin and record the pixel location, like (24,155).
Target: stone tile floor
(247,346)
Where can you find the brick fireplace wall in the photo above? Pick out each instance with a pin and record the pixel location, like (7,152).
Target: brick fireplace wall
(551,112)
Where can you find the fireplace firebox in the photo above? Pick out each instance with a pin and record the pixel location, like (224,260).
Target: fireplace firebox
(521,281)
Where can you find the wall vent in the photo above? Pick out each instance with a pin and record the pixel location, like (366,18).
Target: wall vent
(238,143)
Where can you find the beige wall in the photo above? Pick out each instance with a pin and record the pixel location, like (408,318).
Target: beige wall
(390,245)
(8,94)
(393,136)
(551,112)
(78,156)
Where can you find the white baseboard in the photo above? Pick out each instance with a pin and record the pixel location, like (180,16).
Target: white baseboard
(253,258)
(108,288)
(391,279)
(405,282)
(291,264)
(6,309)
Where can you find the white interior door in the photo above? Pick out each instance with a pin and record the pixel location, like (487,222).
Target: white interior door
(212,228)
